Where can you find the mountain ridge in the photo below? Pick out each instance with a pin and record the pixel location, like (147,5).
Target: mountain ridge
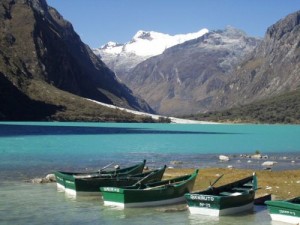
(121,58)
(37,46)
(268,69)
(271,69)
(184,78)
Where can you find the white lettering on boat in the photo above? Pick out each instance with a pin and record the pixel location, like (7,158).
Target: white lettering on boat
(287,212)
(111,189)
(206,205)
(69,182)
(202,198)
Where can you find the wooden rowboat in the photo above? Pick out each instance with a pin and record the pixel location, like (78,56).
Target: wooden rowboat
(151,194)
(63,177)
(90,186)
(228,199)
(287,211)
(260,200)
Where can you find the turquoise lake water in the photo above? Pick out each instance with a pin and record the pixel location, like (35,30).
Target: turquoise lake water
(29,150)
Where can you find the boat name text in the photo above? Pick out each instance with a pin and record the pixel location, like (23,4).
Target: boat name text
(205,205)
(202,198)
(287,212)
(111,189)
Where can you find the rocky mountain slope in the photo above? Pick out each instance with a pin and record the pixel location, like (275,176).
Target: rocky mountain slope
(273,68)
(185,78)
(121,58)
(222,69)
(283,108)
(42,60)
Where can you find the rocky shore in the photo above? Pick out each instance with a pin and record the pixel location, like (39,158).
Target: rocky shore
(283,184)
(280,184)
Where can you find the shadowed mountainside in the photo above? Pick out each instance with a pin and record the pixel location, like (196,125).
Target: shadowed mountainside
(42,58)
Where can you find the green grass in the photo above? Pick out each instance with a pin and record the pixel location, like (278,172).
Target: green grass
(75,108)
(283,108)
(281,184)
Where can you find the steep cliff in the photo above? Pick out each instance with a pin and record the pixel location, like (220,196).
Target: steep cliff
(39,50)
(272,68)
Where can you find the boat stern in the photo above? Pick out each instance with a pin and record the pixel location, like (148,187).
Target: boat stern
(284,211)
(60,183)
(113,196)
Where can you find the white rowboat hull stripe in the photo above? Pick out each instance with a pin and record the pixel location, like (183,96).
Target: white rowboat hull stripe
(144,204)
(217,212)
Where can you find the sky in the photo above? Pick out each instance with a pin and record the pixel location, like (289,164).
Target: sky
(100,21)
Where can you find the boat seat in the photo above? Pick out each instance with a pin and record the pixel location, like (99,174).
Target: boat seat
(240,189)
(230,193)
(82,176)
(224,193)
(236,193)
(248,185)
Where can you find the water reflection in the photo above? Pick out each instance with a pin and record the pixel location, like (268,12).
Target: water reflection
(258,215)
(202,219)
(47,205)
(16,130)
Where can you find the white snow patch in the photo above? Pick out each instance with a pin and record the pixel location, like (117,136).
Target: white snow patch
(149,43)
(154,116)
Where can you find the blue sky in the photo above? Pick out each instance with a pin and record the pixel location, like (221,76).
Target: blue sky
(100,21)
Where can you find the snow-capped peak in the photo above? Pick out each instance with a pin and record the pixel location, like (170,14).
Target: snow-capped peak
(148,35)
(150,43)
(110,44)
(110,48)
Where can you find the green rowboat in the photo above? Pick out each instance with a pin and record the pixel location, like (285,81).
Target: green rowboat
(151,194)
(287,211)
(228,199)
(89,186)
(66,177)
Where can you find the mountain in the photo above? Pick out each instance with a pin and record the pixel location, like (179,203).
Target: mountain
(272,69)
(121,58)
(185,77)
(284,108)
(44,65)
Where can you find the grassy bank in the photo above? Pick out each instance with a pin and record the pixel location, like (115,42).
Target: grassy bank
(281,184)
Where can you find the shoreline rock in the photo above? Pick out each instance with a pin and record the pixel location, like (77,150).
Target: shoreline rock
(50,178)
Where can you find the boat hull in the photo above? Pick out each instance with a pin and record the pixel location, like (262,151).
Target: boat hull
(232,198)
(60,183)
(220,212)
(285,211)
(146,203)
(262,199)
(90,186)
(153,195)
(66,180)
(285,218)
(219,205)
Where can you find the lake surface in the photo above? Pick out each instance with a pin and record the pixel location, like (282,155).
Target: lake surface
(29,150)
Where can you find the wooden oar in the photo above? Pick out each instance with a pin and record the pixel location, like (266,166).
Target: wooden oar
(211,185)
(144,178)
(105,167)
